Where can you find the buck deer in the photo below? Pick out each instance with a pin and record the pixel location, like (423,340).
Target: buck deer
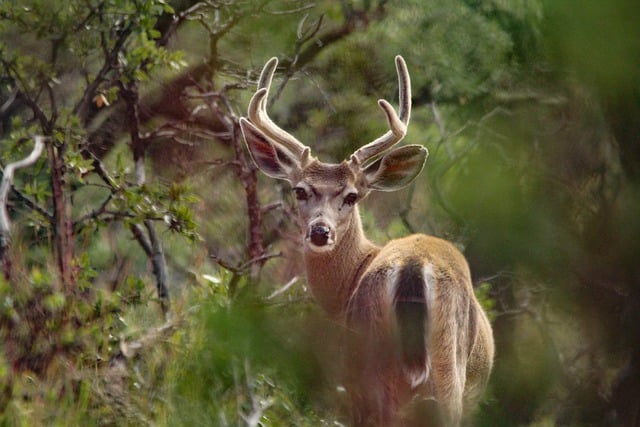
(418,332)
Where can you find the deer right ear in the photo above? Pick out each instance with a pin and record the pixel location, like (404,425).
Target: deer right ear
(271,158)
(396,169)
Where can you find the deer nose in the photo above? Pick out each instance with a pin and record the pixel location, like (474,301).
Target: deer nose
(319,234)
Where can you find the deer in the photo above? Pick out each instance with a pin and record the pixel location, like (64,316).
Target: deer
(418,337)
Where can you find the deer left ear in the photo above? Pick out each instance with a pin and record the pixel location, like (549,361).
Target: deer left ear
(271,158)
(396,169)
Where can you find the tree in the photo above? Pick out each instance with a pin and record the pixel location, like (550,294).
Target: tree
(82,78)
(529,112)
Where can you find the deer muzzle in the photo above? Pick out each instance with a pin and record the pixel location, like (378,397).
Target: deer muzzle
(320,236)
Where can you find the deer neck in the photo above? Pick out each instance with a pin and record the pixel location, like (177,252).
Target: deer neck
(333,276)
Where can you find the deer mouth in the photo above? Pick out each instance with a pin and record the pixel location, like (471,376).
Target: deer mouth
(320,237)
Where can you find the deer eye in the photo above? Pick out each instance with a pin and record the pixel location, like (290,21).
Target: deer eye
(301,194)
(350,199)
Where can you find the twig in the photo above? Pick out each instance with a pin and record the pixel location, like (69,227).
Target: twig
(178,19)
(259,260)
(284,289)
(149,242)
(131,349)
(7,104)
(7,181)
(454,158)
(272,206)
(294,11)
(159,263)
(111,57)
(242,269)
(94,213)
(404,213)
(258,404)
(138,233)
(31,204)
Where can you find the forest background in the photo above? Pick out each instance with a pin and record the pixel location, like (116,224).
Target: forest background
(150,274)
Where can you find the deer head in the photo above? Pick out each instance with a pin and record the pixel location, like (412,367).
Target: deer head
(327,193)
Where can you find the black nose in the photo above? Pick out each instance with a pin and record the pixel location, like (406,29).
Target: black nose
(319,235)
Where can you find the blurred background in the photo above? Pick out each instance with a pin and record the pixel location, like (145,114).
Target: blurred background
(151,274)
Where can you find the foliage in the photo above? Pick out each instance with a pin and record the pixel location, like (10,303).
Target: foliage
(244,363)
(145,198)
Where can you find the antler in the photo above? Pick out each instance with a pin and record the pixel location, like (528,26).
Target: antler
(258,114)
(397,122)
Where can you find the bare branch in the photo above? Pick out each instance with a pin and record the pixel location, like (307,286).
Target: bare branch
(7,104)
(241,269)
(178,19)
(31,204)
(150,243)
(7,181)
(354,21)
(63,233)
(131,349)
(284,288)
(445,137)
(258,403)
(294,11)
(139,235)
(94,213)
(259,260)
(159,263)
(109,61)
(24,96)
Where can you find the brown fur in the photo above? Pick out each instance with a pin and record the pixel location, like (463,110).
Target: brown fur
(420,347)
(460,349)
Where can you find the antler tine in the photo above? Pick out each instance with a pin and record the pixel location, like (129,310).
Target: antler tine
(397,122)
(259,117)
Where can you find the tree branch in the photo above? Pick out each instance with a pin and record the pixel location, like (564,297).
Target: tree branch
(31,204)
(7,181)
(80,108)
(150,243)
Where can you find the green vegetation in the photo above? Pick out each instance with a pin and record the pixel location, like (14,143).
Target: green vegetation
(149,272)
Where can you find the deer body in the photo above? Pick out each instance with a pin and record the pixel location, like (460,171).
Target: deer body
(417,334)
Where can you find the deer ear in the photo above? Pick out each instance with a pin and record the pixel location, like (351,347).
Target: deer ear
(271,158)
(396,169)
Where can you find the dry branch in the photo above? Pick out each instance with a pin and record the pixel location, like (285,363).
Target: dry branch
(7,181)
